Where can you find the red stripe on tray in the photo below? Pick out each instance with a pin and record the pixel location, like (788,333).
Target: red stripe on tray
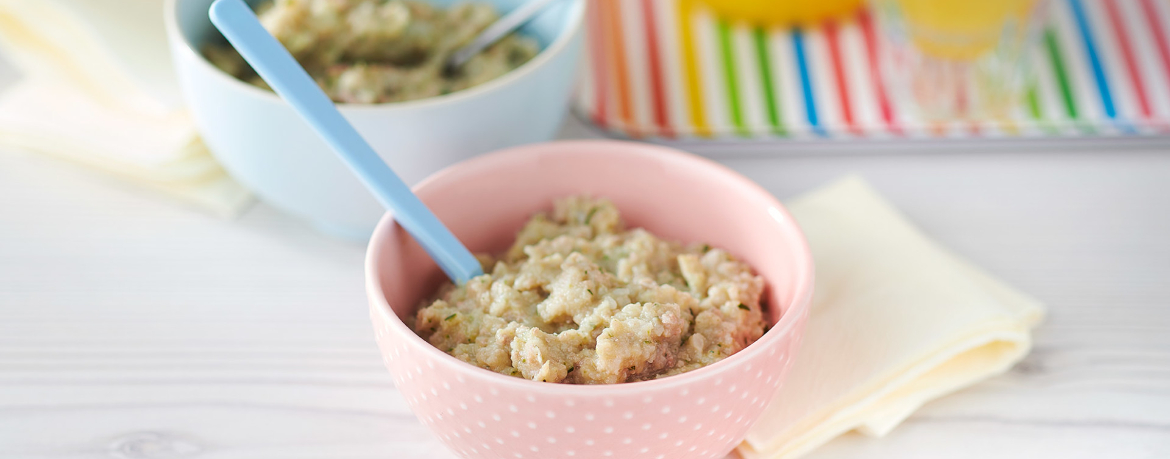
(597,59)
(657,94)
(1151,14)
(871,53)
(833,38)
(1131,65)
(962,106)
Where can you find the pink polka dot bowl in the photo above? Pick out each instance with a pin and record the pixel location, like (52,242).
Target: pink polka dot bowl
(700,414)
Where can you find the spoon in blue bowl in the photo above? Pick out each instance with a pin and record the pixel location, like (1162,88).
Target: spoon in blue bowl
(502,27)
(291,82)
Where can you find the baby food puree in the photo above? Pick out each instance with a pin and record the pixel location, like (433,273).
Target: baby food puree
(579,299)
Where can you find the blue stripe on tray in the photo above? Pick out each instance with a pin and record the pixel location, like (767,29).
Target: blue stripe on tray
(1078,10)
(810,103)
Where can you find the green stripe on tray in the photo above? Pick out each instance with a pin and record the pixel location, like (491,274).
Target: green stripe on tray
(1032,103)
(729,77)
(770,98)
(1053,47)
(1033,100)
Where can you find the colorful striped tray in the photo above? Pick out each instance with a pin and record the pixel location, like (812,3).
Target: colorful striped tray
(667,69)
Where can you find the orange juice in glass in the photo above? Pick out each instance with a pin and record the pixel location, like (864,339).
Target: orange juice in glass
(959,59)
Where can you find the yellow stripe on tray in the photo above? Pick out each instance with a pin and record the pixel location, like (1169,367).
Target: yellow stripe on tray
(694,87)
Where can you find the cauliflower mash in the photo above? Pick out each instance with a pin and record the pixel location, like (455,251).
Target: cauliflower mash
(377,51)
(579,299)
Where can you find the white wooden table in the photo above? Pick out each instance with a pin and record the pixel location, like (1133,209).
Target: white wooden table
(131,327)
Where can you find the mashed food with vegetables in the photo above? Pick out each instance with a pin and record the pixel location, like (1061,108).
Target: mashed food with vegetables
(579,299)
(376,51)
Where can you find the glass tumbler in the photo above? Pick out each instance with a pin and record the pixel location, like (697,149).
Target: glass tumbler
(959,59)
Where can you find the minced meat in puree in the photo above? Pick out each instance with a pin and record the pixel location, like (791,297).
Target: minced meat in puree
(377,51)
(579,299)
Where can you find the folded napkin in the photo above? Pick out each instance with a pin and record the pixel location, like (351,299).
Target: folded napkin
(896,321)
(96,87)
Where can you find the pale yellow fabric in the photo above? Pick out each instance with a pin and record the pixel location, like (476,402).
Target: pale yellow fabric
(95,87)
(896,321)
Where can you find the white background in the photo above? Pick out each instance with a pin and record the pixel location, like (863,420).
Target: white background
(133,327)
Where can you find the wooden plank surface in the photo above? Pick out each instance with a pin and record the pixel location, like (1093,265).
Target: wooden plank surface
(132,327)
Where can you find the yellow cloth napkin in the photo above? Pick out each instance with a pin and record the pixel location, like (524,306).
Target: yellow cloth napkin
(896,321)
(96,87)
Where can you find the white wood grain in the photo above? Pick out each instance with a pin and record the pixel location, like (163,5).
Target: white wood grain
(134,328)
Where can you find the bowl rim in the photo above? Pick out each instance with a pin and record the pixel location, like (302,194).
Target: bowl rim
(564,38)
(797,310)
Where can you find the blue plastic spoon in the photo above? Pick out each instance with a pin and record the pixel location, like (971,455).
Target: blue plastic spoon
(277,67)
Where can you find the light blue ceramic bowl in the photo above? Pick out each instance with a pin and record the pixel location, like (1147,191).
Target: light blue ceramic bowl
(266,146)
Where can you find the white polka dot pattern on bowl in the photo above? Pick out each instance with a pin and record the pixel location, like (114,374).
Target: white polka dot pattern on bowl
(478,416)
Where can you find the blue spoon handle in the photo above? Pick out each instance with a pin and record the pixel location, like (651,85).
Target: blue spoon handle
(276,66)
